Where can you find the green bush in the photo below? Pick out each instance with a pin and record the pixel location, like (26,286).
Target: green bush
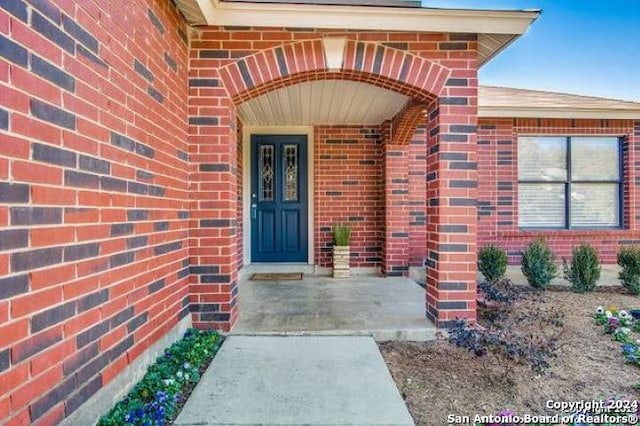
(341,234)
(629,261)
(492,262)
(539,264)
(583,271)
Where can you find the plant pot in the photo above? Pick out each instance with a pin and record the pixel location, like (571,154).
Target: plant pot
(341,258)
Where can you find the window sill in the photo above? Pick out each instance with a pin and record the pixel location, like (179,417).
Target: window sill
(569,233)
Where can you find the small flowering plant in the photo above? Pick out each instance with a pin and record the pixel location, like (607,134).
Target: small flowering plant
(614,321)
(631,352)
(157,398)
(623,328)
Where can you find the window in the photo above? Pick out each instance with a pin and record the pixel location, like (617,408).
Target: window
(569,182)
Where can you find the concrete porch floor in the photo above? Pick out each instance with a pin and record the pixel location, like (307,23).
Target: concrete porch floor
(385,308)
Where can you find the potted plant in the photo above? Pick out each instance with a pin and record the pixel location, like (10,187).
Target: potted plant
(341,251)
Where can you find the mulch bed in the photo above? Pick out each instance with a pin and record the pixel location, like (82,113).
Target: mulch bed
(437,379)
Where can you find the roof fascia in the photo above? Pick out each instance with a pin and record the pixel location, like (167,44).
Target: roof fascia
(367,18)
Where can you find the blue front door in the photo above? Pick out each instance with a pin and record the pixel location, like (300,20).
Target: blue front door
(279,198)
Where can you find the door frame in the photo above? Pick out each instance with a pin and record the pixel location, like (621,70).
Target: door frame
(247,131)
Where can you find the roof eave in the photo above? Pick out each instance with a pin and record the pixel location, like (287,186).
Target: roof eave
(367,18)
(559,112)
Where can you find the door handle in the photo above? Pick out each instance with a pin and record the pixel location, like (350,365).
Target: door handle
(254,211)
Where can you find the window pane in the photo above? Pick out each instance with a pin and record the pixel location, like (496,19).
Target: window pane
(266,173)
(290,172)
(542,158)
(594,204)
(594,158)
(541,205)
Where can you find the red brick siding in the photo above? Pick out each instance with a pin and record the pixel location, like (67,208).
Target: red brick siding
(417,200)
(240,218)
(396,195)
(451,206)
(93,196)
(348,189)
(243,63)
(498,185)
(394,69)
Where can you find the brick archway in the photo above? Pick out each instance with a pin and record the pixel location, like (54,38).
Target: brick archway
(373,63)
(442,98)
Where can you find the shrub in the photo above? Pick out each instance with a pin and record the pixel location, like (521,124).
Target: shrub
(629,261)
(517,344)
(583,271)
(539,264)
(502,291)
(341,234)
(492,262)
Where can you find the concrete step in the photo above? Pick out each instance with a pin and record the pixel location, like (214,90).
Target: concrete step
(381,335)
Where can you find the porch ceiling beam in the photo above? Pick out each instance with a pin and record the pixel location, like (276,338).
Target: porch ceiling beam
(367,18)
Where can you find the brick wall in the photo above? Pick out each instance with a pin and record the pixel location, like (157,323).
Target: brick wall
(120,176)
(348,189)
(396,205)
(239,216)
(417,175)
(451,189)
(93,196)
(498,185)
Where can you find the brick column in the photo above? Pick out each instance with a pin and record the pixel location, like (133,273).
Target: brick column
(396,212)
(452,220)
(213,210)
(417,203)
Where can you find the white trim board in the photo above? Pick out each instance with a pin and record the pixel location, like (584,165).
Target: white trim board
(247,131)
(367,18)
(559,112)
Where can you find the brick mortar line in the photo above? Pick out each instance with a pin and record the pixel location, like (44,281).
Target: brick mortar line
(84,224)
(94,190)
(99,257)
(163,44)
(87,136)
(127,105)
(97,74)
(106,287)
(70,338)
(82,242)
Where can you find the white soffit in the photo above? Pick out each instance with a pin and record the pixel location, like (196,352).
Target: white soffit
(322,102)
(191,11)
(489,45)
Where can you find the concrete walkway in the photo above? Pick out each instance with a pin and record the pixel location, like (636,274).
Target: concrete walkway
(279,380)
(386,308)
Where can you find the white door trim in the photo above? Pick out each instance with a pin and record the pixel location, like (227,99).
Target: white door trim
(247,131)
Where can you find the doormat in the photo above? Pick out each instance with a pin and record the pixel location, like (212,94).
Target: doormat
(292,276)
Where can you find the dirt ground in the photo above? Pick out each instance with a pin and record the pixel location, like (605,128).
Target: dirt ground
(437,379)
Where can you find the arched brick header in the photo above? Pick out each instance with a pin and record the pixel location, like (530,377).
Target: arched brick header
(373,63)
(407,121)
